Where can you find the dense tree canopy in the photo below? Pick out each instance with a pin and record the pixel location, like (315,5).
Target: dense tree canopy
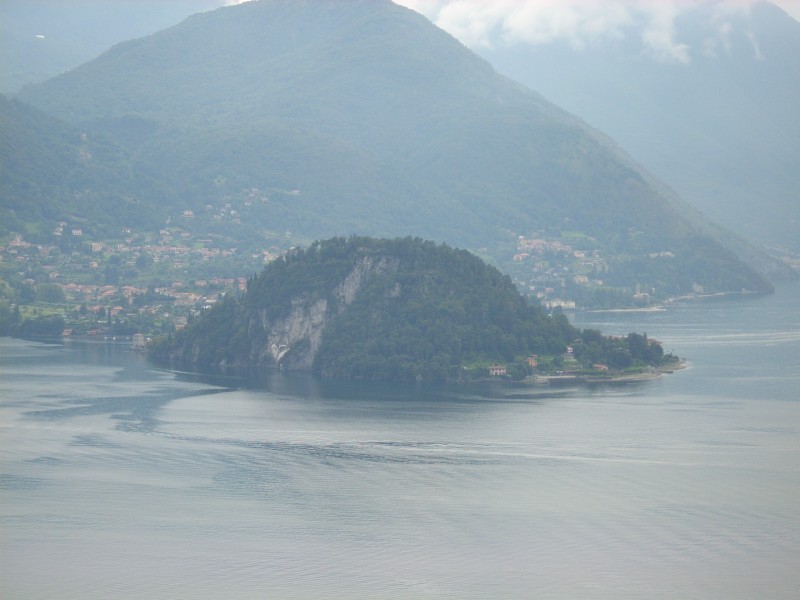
(420,311)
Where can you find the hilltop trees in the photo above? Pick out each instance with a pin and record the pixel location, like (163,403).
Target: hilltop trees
(399,309)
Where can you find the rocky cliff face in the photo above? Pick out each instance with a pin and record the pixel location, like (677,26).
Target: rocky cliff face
(292,342)
(401,309)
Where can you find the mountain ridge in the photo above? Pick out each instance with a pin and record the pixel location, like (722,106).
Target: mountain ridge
(376,138)
(721,129)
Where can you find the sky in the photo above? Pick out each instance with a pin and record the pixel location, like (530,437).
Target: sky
(468,19)
(432,7)
(487,23)
(478,11)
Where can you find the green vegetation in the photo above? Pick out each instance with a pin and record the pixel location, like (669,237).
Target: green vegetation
(631,351)
(51,172)
(345,117)
(440,310)
(400,309)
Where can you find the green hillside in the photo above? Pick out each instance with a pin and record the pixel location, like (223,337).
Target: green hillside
(52,172)
(401,309)
(362,117)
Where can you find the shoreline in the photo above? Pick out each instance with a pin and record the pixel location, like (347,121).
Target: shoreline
(613,378)
(664,305)
(590,379)
(545,380)
(643,309)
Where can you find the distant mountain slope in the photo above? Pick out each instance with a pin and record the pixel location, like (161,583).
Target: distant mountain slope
(722,129)
(41,38)
(374,121)
(50,171)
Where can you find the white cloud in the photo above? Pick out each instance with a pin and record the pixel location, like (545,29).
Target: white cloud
(429,8)
(722,39)
(474,23)
(756,47)
(658,35)
(790,6)
(484,23)
(579,23)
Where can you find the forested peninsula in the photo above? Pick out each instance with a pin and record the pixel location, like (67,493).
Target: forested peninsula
(394,310)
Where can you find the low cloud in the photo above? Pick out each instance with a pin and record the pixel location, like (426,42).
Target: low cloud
(790,6)
(582,23)
(658,33)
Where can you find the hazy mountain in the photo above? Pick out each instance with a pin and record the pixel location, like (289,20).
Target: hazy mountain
(362,117)
(720,125)
(41,38)
(51,171)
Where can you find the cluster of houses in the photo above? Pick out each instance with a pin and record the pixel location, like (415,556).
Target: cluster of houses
(551,266)
(499,370)
(71,269)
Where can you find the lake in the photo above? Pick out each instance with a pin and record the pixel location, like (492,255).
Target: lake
(120,480)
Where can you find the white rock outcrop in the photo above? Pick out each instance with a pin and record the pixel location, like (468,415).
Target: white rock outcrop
(292,342)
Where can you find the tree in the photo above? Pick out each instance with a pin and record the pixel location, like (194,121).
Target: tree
(111,274)
(50,292)
(27,294)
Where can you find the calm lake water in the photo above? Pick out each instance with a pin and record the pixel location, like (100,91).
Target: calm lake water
(120,480)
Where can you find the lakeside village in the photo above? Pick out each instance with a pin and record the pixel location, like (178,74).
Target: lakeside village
(144,284)
(154,283)
(147,284)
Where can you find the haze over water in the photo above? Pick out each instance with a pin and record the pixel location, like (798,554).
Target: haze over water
(124,481)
